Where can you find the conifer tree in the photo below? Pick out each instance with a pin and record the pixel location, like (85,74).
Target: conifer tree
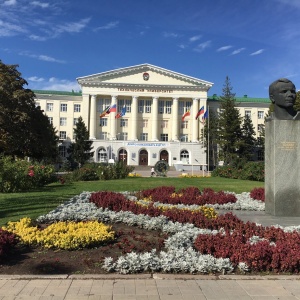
(230,133)
(80,151)
(248,141)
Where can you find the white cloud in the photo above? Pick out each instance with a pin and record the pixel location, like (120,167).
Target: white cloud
(260,51)
(10,2)
(110,25)
(182,46)
(170,35)
(237,51)
(73,26)
(41,57)
(195,38)
(40,4)
(54,84)
(36,79)
(201,47)
(8,29)
(224,48)
(294,3)
(37,38)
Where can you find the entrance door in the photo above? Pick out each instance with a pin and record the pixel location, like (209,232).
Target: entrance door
(164,155)
(123,156)
(143,159)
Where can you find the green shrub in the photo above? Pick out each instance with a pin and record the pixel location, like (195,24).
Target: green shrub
(20,175)
(249,171)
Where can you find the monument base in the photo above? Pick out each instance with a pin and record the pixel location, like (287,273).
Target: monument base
(282,189)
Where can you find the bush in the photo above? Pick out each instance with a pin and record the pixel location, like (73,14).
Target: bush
(7,241)
(249,171)
(20,175)
(258,194)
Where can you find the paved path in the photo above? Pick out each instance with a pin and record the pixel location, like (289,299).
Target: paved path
(152,288)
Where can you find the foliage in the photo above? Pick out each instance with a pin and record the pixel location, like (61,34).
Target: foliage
(249,171)
(7,241)
(62,235)
(20,175)
(230,132)
(80,151)
(23,126)
(248,142)
(297,102)
(209,137)
(95,171)
(258,194)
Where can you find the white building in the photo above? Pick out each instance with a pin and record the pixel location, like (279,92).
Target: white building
(151,129)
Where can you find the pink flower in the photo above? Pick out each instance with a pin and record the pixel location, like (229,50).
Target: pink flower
(31,173)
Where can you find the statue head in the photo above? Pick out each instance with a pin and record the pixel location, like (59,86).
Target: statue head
(282,93)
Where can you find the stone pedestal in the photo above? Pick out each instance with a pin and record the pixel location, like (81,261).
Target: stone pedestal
(282,168)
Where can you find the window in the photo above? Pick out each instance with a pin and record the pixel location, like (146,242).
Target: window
(102,155)
(260,128)
(160,107)
(63,122)
(62,135)
(103,136)
(62,151)
(148,106)
(50,120)
(168,107)
(188,105)
(75,120)
(181,107)
(124,136)
(260,114)
(77,107)
(37,104)
(63,107)
(184,156)
(74,135)
(184,138)
(128,105)
(164,137)
(103,122)
(164,124)
(49,107)
(184,124)
(145,123)
(141,106)
(123,123)
(144,137)
(248,113)
(102,104)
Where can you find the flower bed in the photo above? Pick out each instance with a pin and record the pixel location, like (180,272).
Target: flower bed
(199,240)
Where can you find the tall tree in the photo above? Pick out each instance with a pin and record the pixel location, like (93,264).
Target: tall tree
(209,137)
(230,132)
(248,141)
(80,151)
(24,129)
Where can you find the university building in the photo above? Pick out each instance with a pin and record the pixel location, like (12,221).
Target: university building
(153,114)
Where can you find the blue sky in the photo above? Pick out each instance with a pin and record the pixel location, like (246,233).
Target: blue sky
(254,42)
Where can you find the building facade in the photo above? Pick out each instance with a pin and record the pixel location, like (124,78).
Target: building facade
(152,102)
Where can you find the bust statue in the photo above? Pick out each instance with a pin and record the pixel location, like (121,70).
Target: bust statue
(282,93)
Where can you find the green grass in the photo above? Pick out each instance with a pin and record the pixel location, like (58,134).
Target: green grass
(33,204)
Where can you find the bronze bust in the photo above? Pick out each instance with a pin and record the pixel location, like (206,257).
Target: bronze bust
(282,93)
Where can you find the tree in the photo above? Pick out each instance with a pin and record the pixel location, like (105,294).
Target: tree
(229,137)
(248,140)
(24,129)
(80,151)
(297,102)
(210,137)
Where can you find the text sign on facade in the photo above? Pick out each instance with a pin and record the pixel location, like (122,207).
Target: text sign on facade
(147,144)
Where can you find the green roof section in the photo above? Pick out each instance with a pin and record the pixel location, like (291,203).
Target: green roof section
(62,93)
(244,99)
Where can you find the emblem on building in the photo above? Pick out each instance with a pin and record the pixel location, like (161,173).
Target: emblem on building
(146,76)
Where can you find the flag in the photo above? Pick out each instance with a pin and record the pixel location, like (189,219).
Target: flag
(113,108)
(188,113)
(105,112)
(205,116)
(121,113)
(200,112)
(108,110)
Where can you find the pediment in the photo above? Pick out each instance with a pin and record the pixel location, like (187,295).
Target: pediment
(137,76)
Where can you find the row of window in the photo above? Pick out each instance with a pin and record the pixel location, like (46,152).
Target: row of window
(63,121)
(260,114)
(63,107)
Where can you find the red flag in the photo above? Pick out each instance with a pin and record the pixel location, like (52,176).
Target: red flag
(188,113)
(200,112)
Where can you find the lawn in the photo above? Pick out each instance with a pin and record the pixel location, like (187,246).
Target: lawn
(33,204)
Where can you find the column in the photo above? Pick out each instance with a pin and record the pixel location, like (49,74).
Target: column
(195,127)
(85,108)
(134,118)
(112,119)
(175,120)
(93,118)
(154,119)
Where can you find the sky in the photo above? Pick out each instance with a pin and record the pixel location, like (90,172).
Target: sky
(253,42)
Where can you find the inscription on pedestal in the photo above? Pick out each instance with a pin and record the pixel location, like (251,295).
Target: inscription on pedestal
(288,146)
